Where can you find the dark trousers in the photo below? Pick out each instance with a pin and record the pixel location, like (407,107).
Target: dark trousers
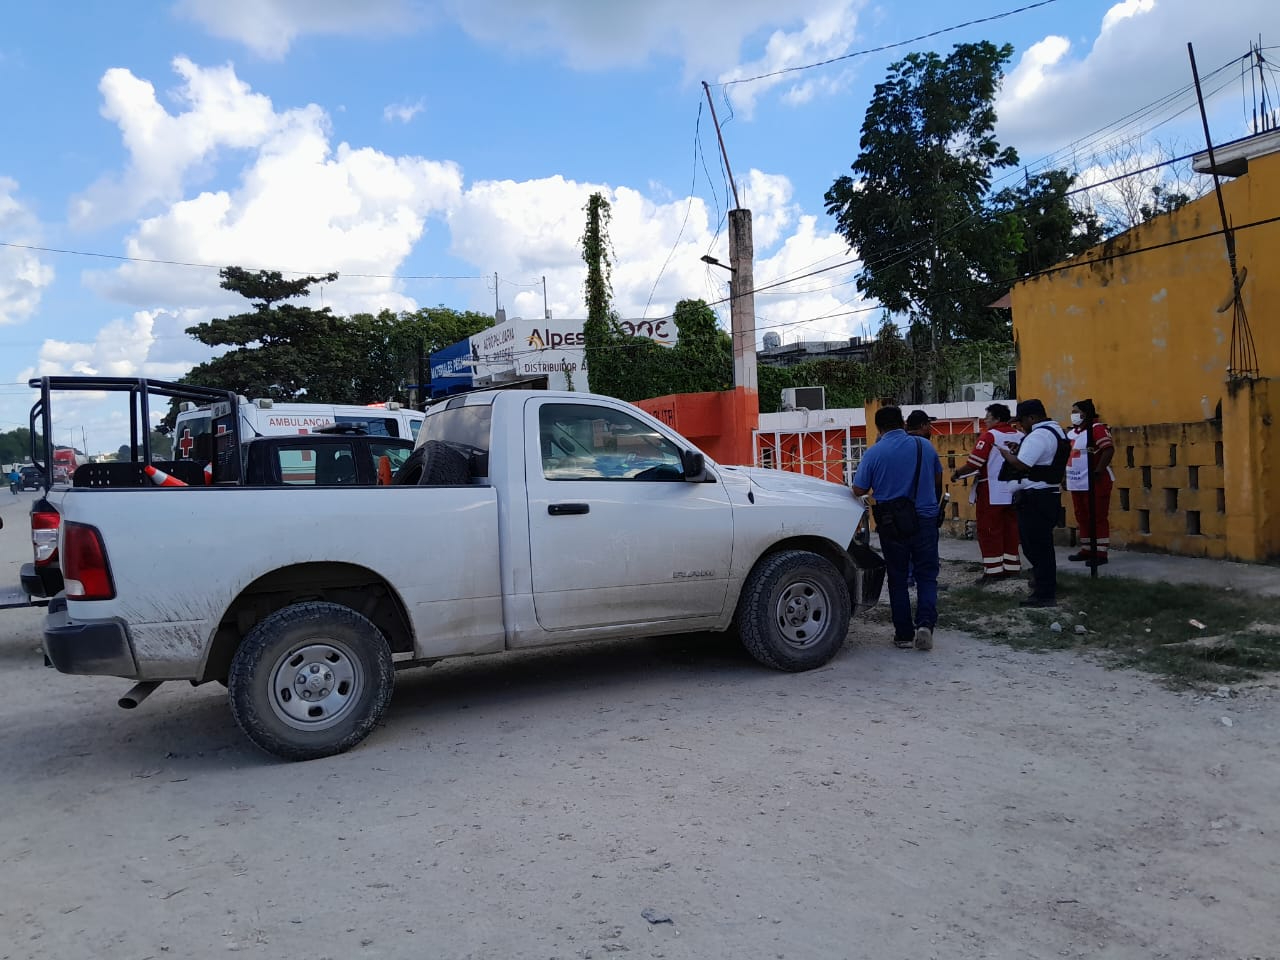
(1038,512)
(919,555)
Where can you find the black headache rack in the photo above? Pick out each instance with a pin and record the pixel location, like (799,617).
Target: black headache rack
(223,405)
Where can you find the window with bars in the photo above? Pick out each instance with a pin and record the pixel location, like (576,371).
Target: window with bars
(854,448)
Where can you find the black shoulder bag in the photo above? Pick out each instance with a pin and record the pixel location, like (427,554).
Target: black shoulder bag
(897,519)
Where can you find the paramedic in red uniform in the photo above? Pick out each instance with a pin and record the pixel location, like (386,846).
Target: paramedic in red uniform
(1091,452)
(993,497)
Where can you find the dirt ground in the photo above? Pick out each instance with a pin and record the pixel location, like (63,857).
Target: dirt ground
(970,802)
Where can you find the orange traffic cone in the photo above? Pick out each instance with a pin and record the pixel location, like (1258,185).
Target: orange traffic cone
(160,478)
(384,471)
(208,474)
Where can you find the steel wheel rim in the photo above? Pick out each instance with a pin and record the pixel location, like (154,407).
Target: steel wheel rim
(802,612)
(316,684)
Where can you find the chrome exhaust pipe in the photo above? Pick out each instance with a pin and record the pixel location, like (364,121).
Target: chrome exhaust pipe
(137,693)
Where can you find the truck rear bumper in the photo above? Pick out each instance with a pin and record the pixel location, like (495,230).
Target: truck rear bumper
(95,647)
(40,582)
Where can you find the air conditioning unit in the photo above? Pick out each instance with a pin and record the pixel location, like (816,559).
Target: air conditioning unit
(972,392)
(804,398)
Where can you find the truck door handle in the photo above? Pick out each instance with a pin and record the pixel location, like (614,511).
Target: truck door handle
(565,509)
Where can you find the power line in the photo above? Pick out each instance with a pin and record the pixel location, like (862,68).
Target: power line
(890,46)
(697,132)
(1131,173)
(213,266)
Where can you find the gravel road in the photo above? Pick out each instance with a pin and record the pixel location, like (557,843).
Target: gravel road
(970,802)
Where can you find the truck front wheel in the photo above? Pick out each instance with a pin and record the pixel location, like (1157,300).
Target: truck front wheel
(794,611)
(311,680)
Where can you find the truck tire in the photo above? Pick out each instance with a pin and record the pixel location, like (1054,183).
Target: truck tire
(794,611)
(434,464)
(311,680)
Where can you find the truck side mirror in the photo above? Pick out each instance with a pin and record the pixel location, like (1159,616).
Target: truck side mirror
(694,465)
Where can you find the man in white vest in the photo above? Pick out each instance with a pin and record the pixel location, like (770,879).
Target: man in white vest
(993,497)
(1039,466)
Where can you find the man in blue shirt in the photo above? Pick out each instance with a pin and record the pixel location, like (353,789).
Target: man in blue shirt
(890,469)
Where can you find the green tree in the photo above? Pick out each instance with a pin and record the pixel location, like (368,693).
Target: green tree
(1164,199)
(15,445)
(279,350)
(915,209)
(701,360)
(1047,227)
(283,351)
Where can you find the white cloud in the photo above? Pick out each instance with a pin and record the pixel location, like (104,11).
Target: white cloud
(221,112)
(404,112)
(300,203)
(1058,93)
(530,229)
(23,275)
(149,343)
(707,36)
(269,27)
(828,33)
(824,306)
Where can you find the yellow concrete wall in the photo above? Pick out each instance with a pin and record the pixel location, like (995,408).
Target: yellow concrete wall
(1170,482)
(1141,334)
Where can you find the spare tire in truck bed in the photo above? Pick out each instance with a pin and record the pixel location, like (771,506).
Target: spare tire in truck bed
(434,464)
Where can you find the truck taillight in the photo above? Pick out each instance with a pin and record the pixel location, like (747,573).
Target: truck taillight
(44,536)
(86,575)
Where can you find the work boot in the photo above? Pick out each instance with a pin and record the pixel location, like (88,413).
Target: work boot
(924,638)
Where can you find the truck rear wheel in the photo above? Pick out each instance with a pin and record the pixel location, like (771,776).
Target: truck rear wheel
(311,680)
(794,611)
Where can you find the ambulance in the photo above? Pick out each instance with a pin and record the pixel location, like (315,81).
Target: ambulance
(266,418)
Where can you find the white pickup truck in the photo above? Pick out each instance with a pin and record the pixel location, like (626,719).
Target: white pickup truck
(522,519)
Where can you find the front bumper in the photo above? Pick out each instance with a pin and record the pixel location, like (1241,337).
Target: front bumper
(870,580)
(94,647)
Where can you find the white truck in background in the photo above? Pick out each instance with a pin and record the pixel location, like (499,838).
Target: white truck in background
(522,519)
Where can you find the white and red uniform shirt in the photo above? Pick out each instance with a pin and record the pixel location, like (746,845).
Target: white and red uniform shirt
(999,492)
(1096,436)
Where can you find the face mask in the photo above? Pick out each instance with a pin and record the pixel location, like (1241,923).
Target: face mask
(1077,419)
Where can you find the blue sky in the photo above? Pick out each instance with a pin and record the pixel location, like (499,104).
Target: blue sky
(402,139)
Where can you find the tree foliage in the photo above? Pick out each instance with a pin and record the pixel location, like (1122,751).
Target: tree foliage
(15,445)
(916,208)
(284,351)
(1046,227)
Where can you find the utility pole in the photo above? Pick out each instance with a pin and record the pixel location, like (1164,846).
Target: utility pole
(742,287)
(495,295)
(742,299)
(546,311)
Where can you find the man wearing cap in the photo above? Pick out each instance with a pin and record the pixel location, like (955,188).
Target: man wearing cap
(919,424)
(1039,466)
(905,470)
